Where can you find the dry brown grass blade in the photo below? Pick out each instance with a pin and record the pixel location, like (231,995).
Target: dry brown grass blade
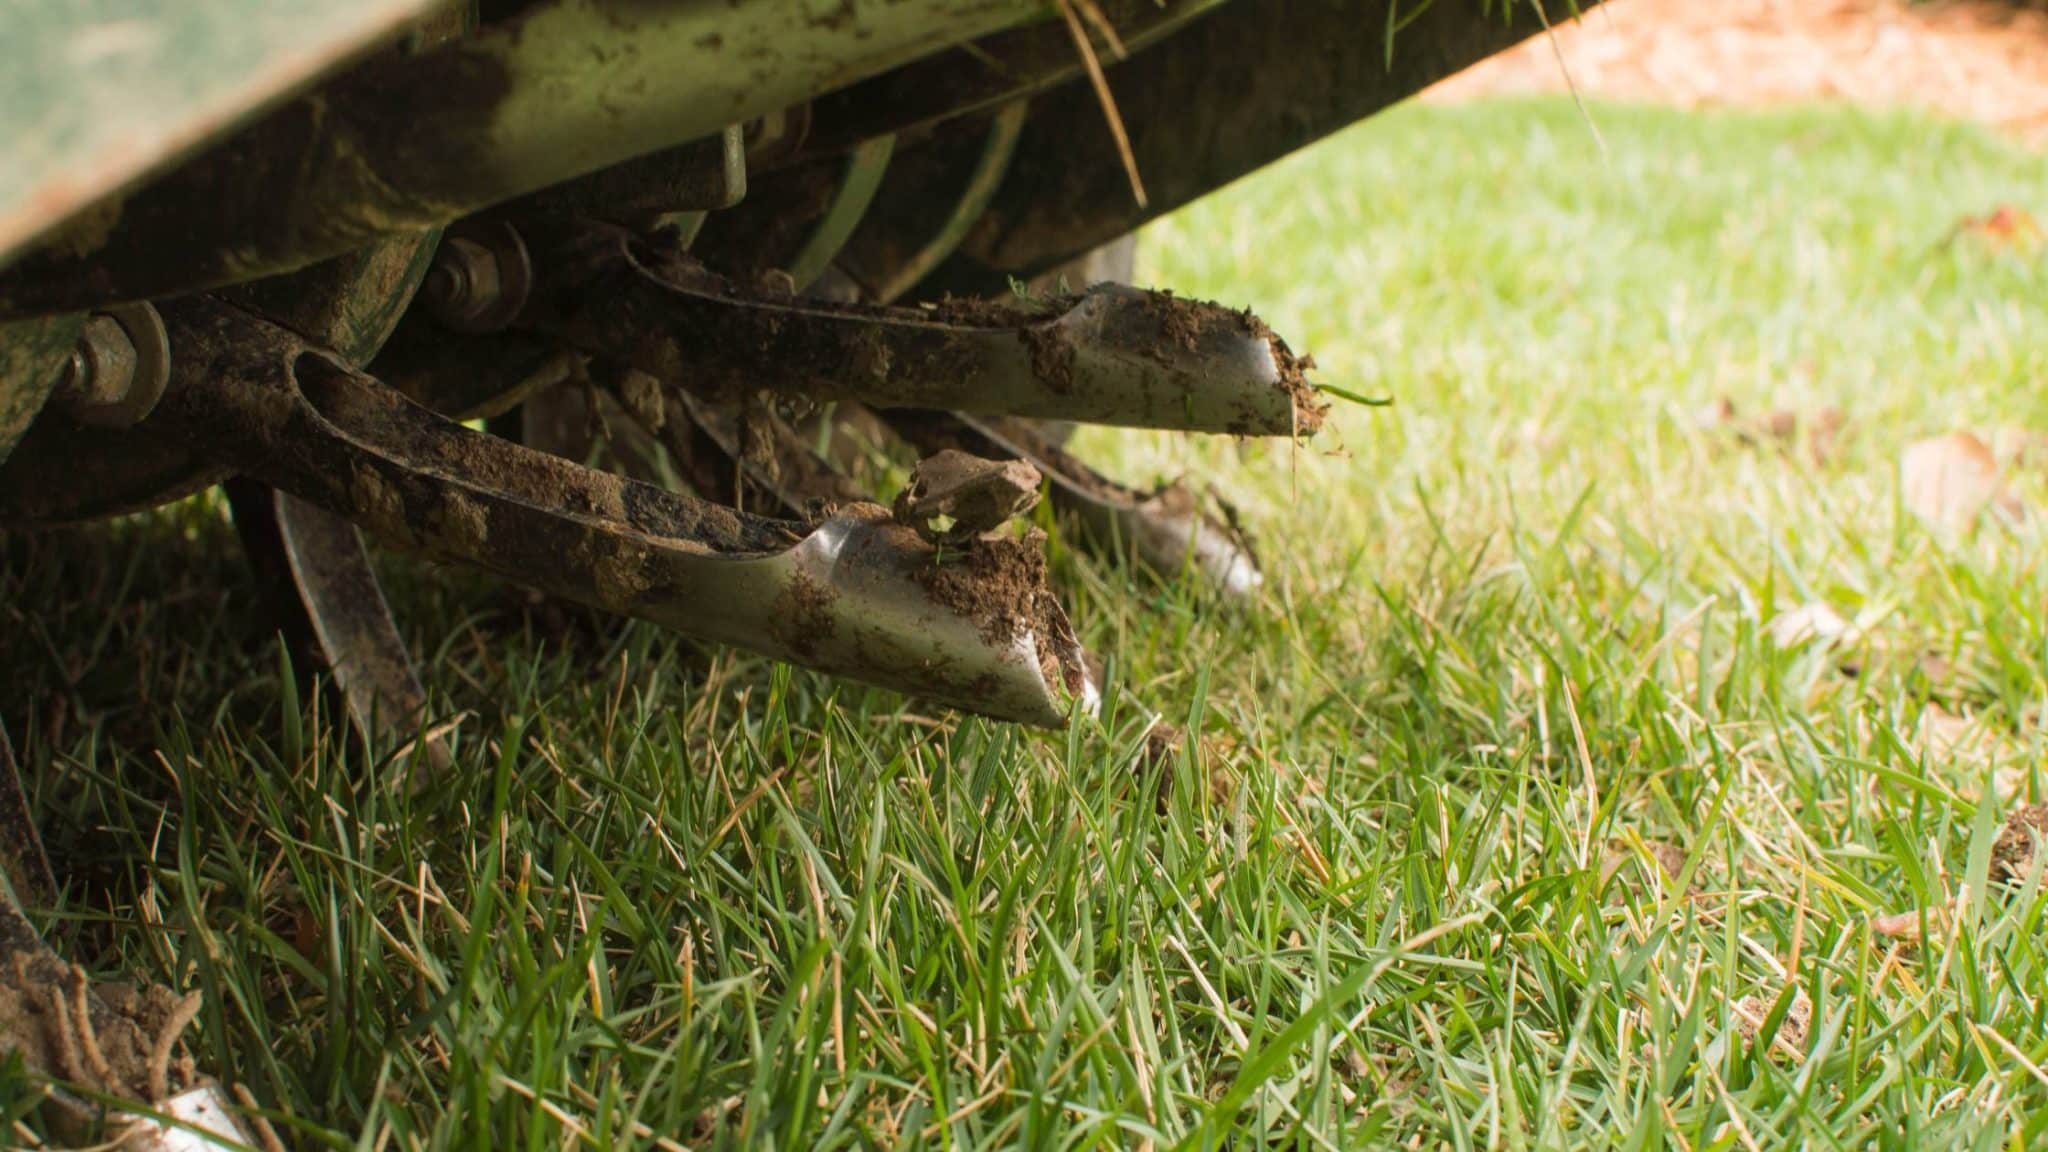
(1102,94)
(1092,12)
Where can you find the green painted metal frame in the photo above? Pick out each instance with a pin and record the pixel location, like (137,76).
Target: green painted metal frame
(33,354)
(407,142)
(95,94)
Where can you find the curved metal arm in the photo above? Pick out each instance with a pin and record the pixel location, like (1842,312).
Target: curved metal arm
(858,595)
(1113,355)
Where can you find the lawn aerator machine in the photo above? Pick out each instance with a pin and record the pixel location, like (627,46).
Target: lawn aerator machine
(606,296)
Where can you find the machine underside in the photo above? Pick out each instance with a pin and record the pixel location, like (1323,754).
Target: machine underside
(616,299)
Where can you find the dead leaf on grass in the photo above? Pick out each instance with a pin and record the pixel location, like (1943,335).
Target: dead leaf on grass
(1935,668)
(1904,927)
(1949,480)
(1943,733)
(1808,623)
(2006,226)
(1717,414)
(2015,448)
(1779,424)
(1824,436)
(1662,857)
(1820,432)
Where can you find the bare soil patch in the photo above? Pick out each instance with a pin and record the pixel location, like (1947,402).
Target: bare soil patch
(1969,59)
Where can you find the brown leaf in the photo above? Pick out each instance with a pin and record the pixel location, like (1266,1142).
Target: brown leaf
(1780,424)
(1948,481)
(1815,622)
(1819,431)
(1936,667)
(1900,926)
(2005,226)
(1943,733)
(1715,416)
(1662,857)
(1825,434)
(2016,448)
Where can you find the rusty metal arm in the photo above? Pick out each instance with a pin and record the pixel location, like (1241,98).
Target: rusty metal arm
(1113,355)
(857,595)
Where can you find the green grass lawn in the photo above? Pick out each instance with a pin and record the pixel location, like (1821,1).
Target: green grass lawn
(1514,650)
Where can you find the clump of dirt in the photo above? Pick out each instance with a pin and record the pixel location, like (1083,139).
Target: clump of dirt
(998,582)
(2012,854)
(115,1038)
(1308,410)
(1052,352)
(999,312)
(1180,321)
(1053,355)
(1178,327)
(977,494)
(662,513)
(1182,324)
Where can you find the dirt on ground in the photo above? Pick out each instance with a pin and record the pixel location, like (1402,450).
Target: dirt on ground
(113,1038)
(1971,59)
(2012,854)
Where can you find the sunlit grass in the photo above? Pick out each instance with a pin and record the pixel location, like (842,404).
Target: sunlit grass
(1514,648)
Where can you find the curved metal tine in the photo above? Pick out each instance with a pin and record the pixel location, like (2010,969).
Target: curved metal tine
(857,595)
(199,1120)
(865,167)
(779,463)
(1165,530)
(1112,355)
(319,583)
(632,412)
(994,164)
